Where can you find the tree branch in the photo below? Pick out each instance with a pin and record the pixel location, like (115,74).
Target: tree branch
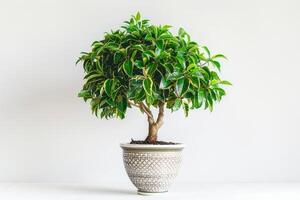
(146,109)
(133,104)
(203,64)
(148,112)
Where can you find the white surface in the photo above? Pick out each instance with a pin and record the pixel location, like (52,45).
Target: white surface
(48,134)
(109,191)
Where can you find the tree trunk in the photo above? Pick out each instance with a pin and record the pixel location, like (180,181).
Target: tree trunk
(153,125)
(152,134)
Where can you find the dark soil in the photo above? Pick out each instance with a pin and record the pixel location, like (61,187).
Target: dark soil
(156,143)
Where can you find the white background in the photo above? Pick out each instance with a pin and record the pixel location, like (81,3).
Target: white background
(48,134)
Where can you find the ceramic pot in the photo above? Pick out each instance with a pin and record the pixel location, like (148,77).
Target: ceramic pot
(152,168)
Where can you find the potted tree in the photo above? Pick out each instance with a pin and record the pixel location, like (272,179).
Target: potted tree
(147,67)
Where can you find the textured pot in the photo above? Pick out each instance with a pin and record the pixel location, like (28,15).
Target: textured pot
(152,168)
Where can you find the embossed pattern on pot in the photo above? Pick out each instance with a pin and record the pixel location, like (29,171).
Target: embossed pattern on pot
(152,171)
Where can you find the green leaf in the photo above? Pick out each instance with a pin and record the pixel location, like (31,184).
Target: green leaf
(213,94)
(95,105)
(182,85)
(78,60)
(174,76)
(135,88)
(169,68)
(177,104)
(181,32)
(160,44)
(139,64)
(219,56)
(170,103)
(138,47)
(85,93)
(220,90)
(151,68)
(92,76)
(147,85)
(108,86)
(225,82)
(133,54)
(215,75)
(216,64)
(214,82)
(197,100)
(122,105)
(149,99)
(210,103)
(206,50)
(128,68)
(138,16)
(181,61)
(205,72)
(186,109)
(164,83)
(112,46)
(149,53)
(157,52)
(148,37)
(166,27)
(195,81)
(117,57)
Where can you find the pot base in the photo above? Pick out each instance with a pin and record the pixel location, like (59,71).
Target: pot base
(151,193)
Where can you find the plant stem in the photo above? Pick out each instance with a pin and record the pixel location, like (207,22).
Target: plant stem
(153,125)
(152,133)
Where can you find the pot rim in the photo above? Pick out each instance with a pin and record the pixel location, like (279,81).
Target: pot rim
(177,146)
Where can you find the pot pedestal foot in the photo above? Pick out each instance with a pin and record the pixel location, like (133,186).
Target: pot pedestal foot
(151,193)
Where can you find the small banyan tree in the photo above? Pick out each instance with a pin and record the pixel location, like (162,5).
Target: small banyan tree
(147,67)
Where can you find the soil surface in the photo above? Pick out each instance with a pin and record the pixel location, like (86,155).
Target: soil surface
(156,143)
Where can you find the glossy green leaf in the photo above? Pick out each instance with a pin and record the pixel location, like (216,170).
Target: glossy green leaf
(151,68)
(85,93)
(174,76)
(177,104)
(206,50)
(225,82)
(160,44)
(108,86)
(149,99)
(197,100)
(218,56)
(164,83)
(122,105)
(195,81)
(168,67)
(128,67)
(216,64)
(149,53)
(139,64)
(117,57)
(182,86)
(181,32)
(138,16)
(186,109)
(138,47)
(147,85)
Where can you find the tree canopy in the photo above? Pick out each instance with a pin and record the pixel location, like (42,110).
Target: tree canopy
(147,66)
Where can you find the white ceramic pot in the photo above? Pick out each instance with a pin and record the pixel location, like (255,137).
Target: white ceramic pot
(152,168)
